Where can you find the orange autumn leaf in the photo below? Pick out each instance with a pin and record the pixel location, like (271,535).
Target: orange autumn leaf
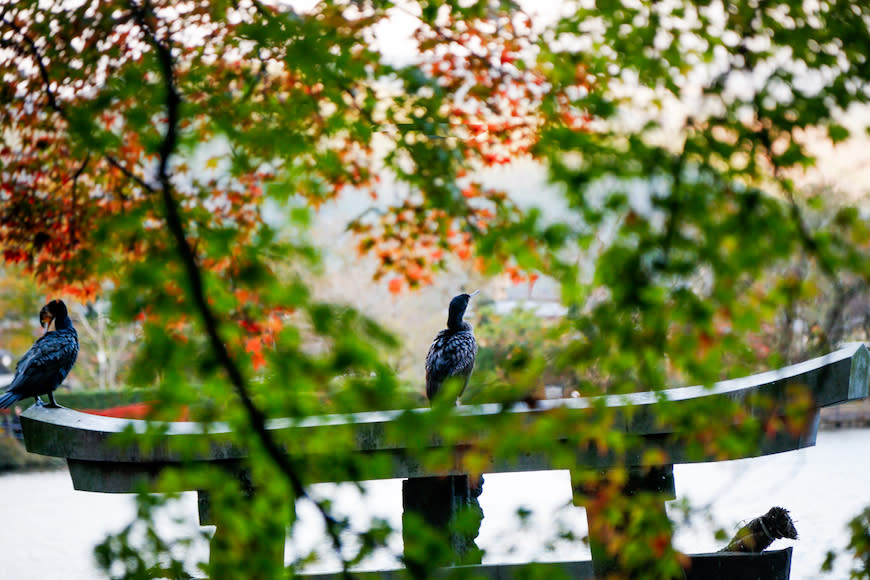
(415,273)
(254,346)
(274,324)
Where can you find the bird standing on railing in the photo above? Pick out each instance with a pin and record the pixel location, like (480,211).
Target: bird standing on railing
(44,367)
(452,353)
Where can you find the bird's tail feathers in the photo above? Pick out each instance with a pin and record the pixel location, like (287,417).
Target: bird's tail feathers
(7,399)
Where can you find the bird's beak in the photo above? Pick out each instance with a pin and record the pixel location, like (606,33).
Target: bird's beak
(45,319)
(473,294)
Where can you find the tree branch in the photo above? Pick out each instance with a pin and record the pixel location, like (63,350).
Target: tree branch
(255,415)
(811,246)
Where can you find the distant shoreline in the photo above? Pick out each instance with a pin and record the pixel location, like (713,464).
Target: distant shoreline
(14,458)
(852,415)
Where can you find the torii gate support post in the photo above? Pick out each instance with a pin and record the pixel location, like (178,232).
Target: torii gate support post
(262,551)
(606,497)
(448,507)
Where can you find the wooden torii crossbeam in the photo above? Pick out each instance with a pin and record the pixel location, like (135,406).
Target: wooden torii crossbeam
(97,463)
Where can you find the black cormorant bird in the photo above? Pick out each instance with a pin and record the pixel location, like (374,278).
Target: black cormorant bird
(44,367)
(452,352)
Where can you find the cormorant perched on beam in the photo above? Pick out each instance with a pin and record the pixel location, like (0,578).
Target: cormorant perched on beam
(44,367)
(452,352)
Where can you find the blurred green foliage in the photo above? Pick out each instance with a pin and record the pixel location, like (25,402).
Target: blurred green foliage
(673,133)
(519,354)
(859,545)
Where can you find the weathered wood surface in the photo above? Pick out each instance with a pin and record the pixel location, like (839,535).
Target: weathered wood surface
(96,463)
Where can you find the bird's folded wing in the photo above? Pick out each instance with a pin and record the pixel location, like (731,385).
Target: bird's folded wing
(51,352)
(453,358)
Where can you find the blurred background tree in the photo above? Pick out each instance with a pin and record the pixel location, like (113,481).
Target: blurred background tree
(183,162)
(18,321)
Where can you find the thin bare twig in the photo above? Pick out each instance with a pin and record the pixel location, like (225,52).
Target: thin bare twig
(74,194)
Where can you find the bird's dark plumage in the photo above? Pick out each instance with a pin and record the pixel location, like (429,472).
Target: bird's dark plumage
(44,367)
(452,352)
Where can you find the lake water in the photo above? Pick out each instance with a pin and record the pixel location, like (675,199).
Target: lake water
(48,530)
